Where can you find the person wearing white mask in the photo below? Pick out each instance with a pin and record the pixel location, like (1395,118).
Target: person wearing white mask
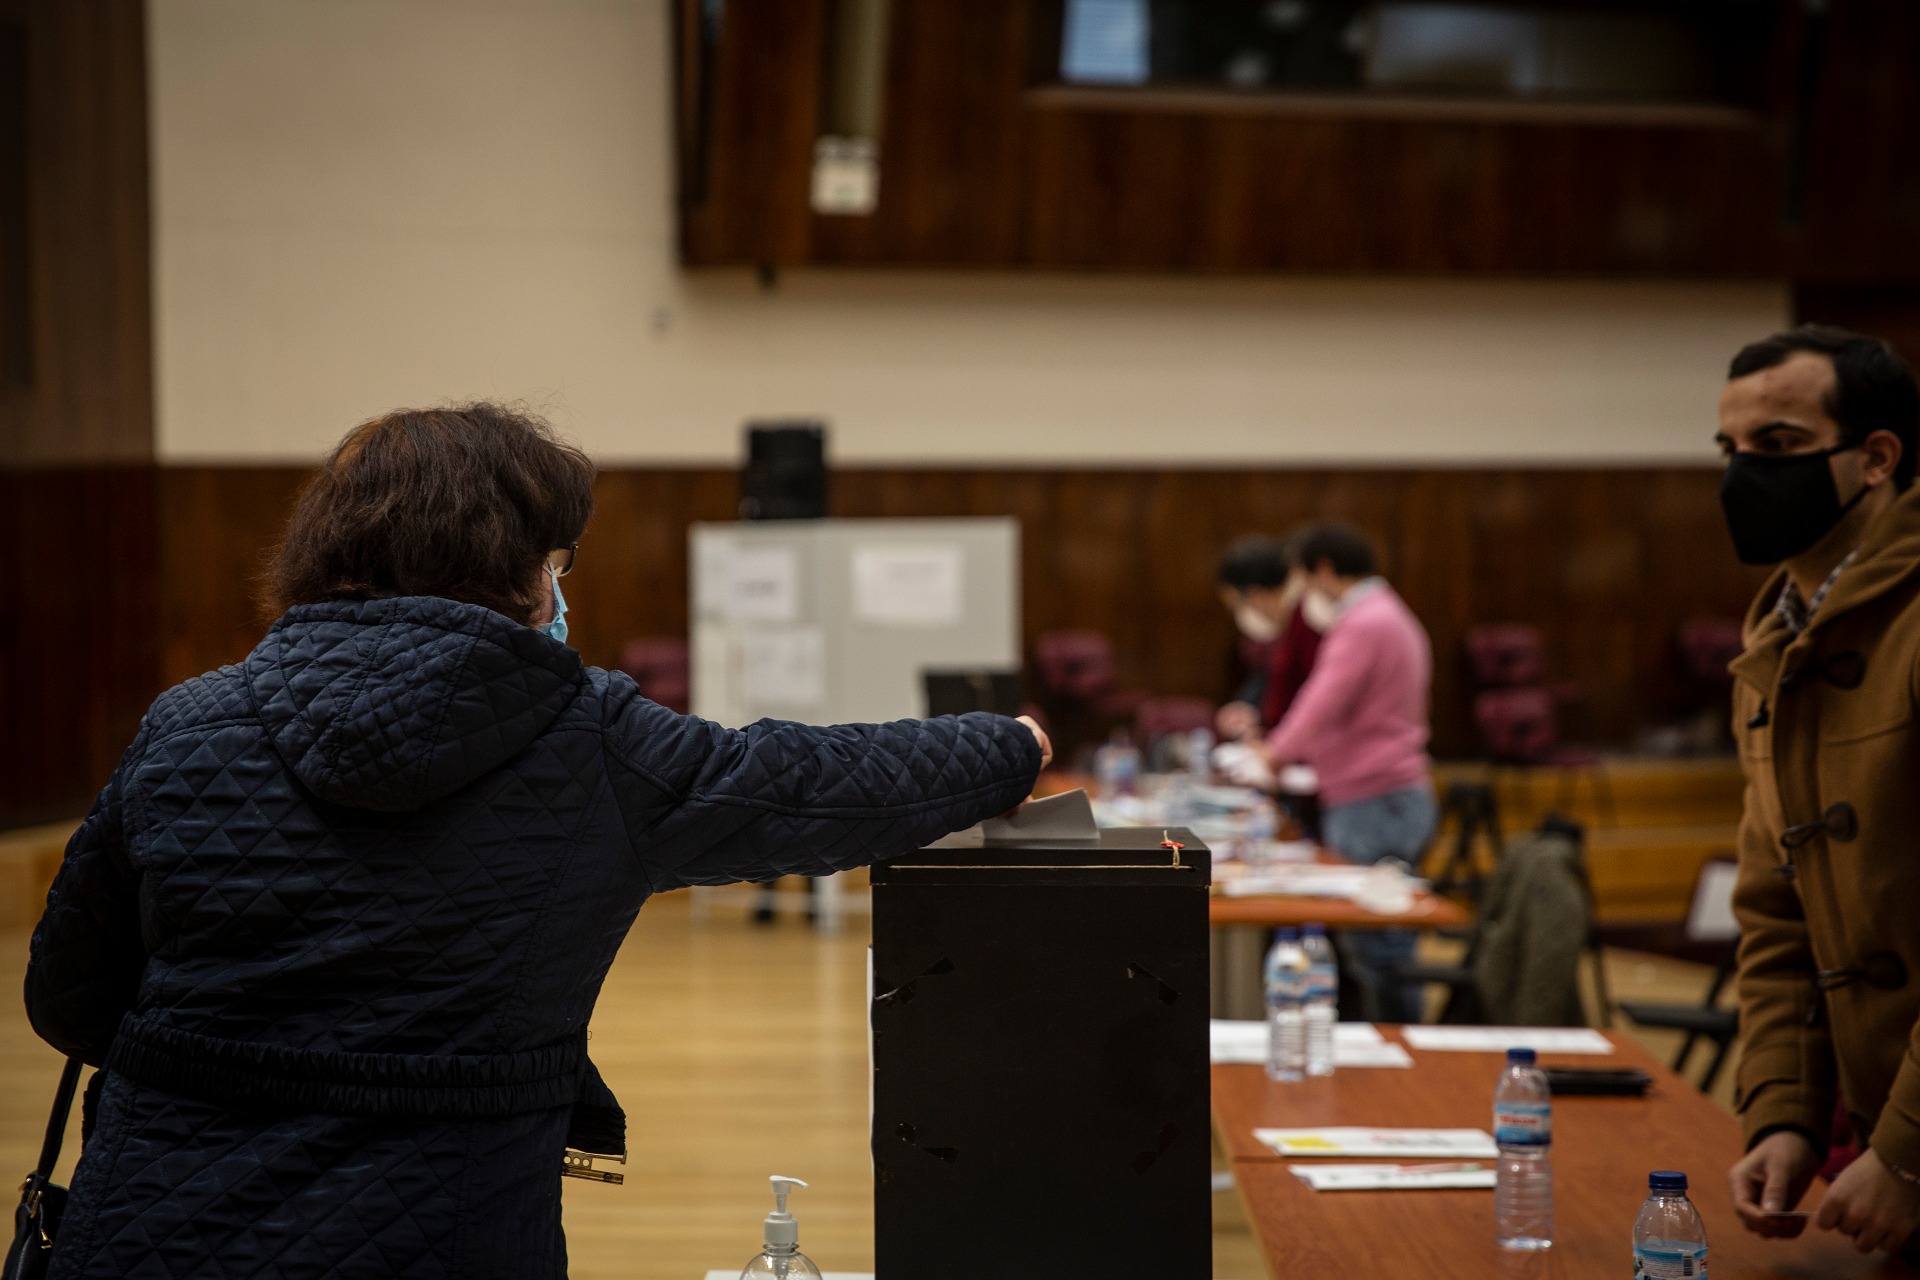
(1263,587)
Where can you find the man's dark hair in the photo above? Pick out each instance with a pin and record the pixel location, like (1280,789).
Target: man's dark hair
(462,502)
(1255,561)
(1340,546)
(1873,389)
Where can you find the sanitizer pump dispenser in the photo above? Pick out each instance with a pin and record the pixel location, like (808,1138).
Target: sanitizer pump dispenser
(781,1258)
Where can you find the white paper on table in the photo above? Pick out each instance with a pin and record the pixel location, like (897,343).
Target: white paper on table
(1386,1054)
(1417,1144)
(1355,1044)
(1386,1177)
(785,668)
(1501,1039)
(757,584)
(1302,880)
(908,586)
(734,1274)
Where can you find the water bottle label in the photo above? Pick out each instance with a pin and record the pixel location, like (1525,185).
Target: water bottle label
(1320,985)
(1687,1262)
(1523,1124)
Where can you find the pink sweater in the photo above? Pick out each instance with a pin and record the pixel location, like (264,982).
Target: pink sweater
(1361,718)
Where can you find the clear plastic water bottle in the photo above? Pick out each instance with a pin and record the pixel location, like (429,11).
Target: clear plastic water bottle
(1286,1008)
(1323,992)
(1523,1126)
(1669,1240)
(1200,755)
(1116,767)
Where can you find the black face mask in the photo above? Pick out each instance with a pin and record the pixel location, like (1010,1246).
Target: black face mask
(1778,505)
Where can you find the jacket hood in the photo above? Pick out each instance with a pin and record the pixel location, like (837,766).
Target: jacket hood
(393,704)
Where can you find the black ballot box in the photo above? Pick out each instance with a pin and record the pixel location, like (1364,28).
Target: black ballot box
(1040,1082)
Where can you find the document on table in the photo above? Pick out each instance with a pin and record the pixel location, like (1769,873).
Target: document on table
(1301,880)
(1391,1177)
(1355,1044)
(1420,1144)
(1501,1039)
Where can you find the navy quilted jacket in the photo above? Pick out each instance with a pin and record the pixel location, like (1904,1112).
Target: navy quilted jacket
(336,925)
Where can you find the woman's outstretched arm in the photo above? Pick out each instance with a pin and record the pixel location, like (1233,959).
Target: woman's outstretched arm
(711,805)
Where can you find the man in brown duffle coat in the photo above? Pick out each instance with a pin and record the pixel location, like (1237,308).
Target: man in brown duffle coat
(1819,427)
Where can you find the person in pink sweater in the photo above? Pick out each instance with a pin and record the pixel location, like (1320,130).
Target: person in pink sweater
(1361,721)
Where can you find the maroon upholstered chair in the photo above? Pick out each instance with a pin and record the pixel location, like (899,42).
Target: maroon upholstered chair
(1079,677)
(1522,726)
(1076,666)
(1520,729)
(660,666)
(1504,655)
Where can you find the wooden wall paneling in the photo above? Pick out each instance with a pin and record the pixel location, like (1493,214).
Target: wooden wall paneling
(1213,190)
(1862,222)
(16,213)
(77,656)
(219,526)
(985,164)
(89,393)
(631,579)
(1885,311)
(1608,563)
(947,195)
(78,662)
(759,149)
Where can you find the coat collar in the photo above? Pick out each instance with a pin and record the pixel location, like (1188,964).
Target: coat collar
(1888,556)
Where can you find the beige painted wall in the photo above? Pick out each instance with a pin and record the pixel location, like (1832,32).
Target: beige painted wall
(366,203)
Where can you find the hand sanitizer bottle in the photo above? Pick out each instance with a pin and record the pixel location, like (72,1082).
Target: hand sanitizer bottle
(781,1258)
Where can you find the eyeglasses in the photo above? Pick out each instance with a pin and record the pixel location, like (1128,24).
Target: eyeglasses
(561,560)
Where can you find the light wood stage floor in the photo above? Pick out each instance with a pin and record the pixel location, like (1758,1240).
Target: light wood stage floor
(739,1052)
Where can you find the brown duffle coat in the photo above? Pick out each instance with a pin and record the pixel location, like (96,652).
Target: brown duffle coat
(1829,887)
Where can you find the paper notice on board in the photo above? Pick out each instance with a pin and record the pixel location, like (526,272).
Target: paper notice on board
(758,584)
(908,586)
(786,669)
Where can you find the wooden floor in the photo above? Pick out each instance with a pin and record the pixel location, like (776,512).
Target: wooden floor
(739,1052)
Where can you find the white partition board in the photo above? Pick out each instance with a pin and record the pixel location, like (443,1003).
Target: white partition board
(832,621)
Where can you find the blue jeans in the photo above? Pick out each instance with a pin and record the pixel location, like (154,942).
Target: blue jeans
(1396,825)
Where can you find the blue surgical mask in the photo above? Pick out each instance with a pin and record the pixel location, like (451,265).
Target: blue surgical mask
(558,627)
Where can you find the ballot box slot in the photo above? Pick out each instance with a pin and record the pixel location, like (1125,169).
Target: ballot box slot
(1176,863)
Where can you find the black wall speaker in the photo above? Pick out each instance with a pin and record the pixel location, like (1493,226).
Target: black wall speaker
(785,476)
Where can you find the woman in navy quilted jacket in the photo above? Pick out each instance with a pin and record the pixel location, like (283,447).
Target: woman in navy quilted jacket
(335,927)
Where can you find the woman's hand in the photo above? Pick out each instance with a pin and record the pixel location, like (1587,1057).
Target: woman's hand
(1040,736)
(1871,1203)
(1772,1177)
(1236,722)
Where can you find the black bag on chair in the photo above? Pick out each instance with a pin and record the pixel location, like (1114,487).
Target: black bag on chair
(37,1219)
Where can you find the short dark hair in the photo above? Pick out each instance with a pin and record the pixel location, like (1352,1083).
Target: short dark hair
(1255,561)
(1341,546)
(462,502)
(1873,389)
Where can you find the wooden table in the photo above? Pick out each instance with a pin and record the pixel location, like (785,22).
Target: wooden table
(1285,910)
(1603,1150)
(1240,928)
